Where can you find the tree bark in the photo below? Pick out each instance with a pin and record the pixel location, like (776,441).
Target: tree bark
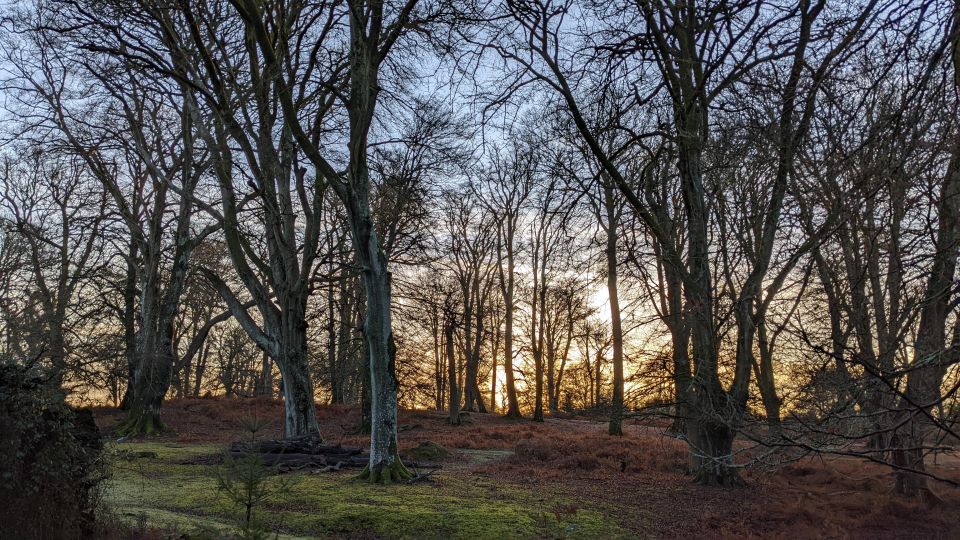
(508,284)
(453,407)
(616,326)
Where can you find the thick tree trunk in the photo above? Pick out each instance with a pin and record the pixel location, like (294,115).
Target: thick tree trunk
(57,349)
(300,417)
(711,444)
(385,465)
(299,411)
(153,365)
(150,386)
(714,413)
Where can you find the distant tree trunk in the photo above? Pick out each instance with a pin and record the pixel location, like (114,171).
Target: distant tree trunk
(265,380)
(493,370)
(453,392)
(508,284)
(568,340)
(550,357)
(598,379)
(616,326)
(469,354)
(333,373)
(438,361)
(347,364)
(130,323)
(201,368)
(476,394)
(765,380)
(538,344)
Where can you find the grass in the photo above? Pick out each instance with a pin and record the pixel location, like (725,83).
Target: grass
(170,491)
(512,479)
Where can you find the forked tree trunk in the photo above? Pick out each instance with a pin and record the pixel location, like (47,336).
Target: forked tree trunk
(155,343)
(930,360)
(150,385)
(710,438)
(299,408)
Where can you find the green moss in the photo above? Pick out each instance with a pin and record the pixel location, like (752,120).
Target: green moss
(454,505)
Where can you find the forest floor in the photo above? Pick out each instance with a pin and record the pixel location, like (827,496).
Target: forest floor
(564,478)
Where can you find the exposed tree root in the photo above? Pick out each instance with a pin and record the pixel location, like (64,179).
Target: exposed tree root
(721,476)
(386,474)
(513,415)
(139,424)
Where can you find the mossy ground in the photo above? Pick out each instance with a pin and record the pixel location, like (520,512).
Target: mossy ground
(177,489)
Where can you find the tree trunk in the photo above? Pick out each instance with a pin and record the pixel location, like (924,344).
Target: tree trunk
(930,360)
(474,381)
(129,324)
(333,372)
(453,392)
(385,465)
(766,382)
(616,326)
(493,371)
(265,381)
(513,405)
(438,362)
(711,455)
(299,410)
(470,366)
(150,386)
